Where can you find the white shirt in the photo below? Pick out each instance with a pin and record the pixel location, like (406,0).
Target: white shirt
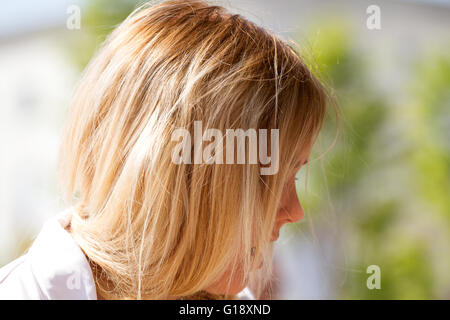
(54,268)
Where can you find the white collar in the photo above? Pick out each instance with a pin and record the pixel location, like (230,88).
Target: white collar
(59,267)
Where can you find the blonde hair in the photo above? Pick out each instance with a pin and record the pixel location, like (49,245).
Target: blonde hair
(153,229)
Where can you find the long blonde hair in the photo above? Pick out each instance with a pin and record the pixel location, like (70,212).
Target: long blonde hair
(154,229)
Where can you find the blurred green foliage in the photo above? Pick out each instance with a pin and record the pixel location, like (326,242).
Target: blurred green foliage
(99,18)
(388,176)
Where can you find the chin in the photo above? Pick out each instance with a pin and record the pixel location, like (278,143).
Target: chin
(235,289)
(236,286)
(240,287)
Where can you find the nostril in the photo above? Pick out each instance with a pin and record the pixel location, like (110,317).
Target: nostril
(296,214)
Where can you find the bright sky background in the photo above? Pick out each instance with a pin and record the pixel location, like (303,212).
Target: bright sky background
(21,16)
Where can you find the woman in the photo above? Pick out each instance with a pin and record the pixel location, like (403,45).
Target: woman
(153,213)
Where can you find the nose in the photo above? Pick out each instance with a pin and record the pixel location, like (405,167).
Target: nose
(292,210)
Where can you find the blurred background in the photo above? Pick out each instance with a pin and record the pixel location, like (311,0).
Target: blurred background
(378,193)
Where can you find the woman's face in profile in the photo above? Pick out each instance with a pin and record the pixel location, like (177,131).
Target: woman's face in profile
(289,211)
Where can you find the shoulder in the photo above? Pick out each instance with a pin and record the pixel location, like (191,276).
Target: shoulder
(53,268)
(17,281)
